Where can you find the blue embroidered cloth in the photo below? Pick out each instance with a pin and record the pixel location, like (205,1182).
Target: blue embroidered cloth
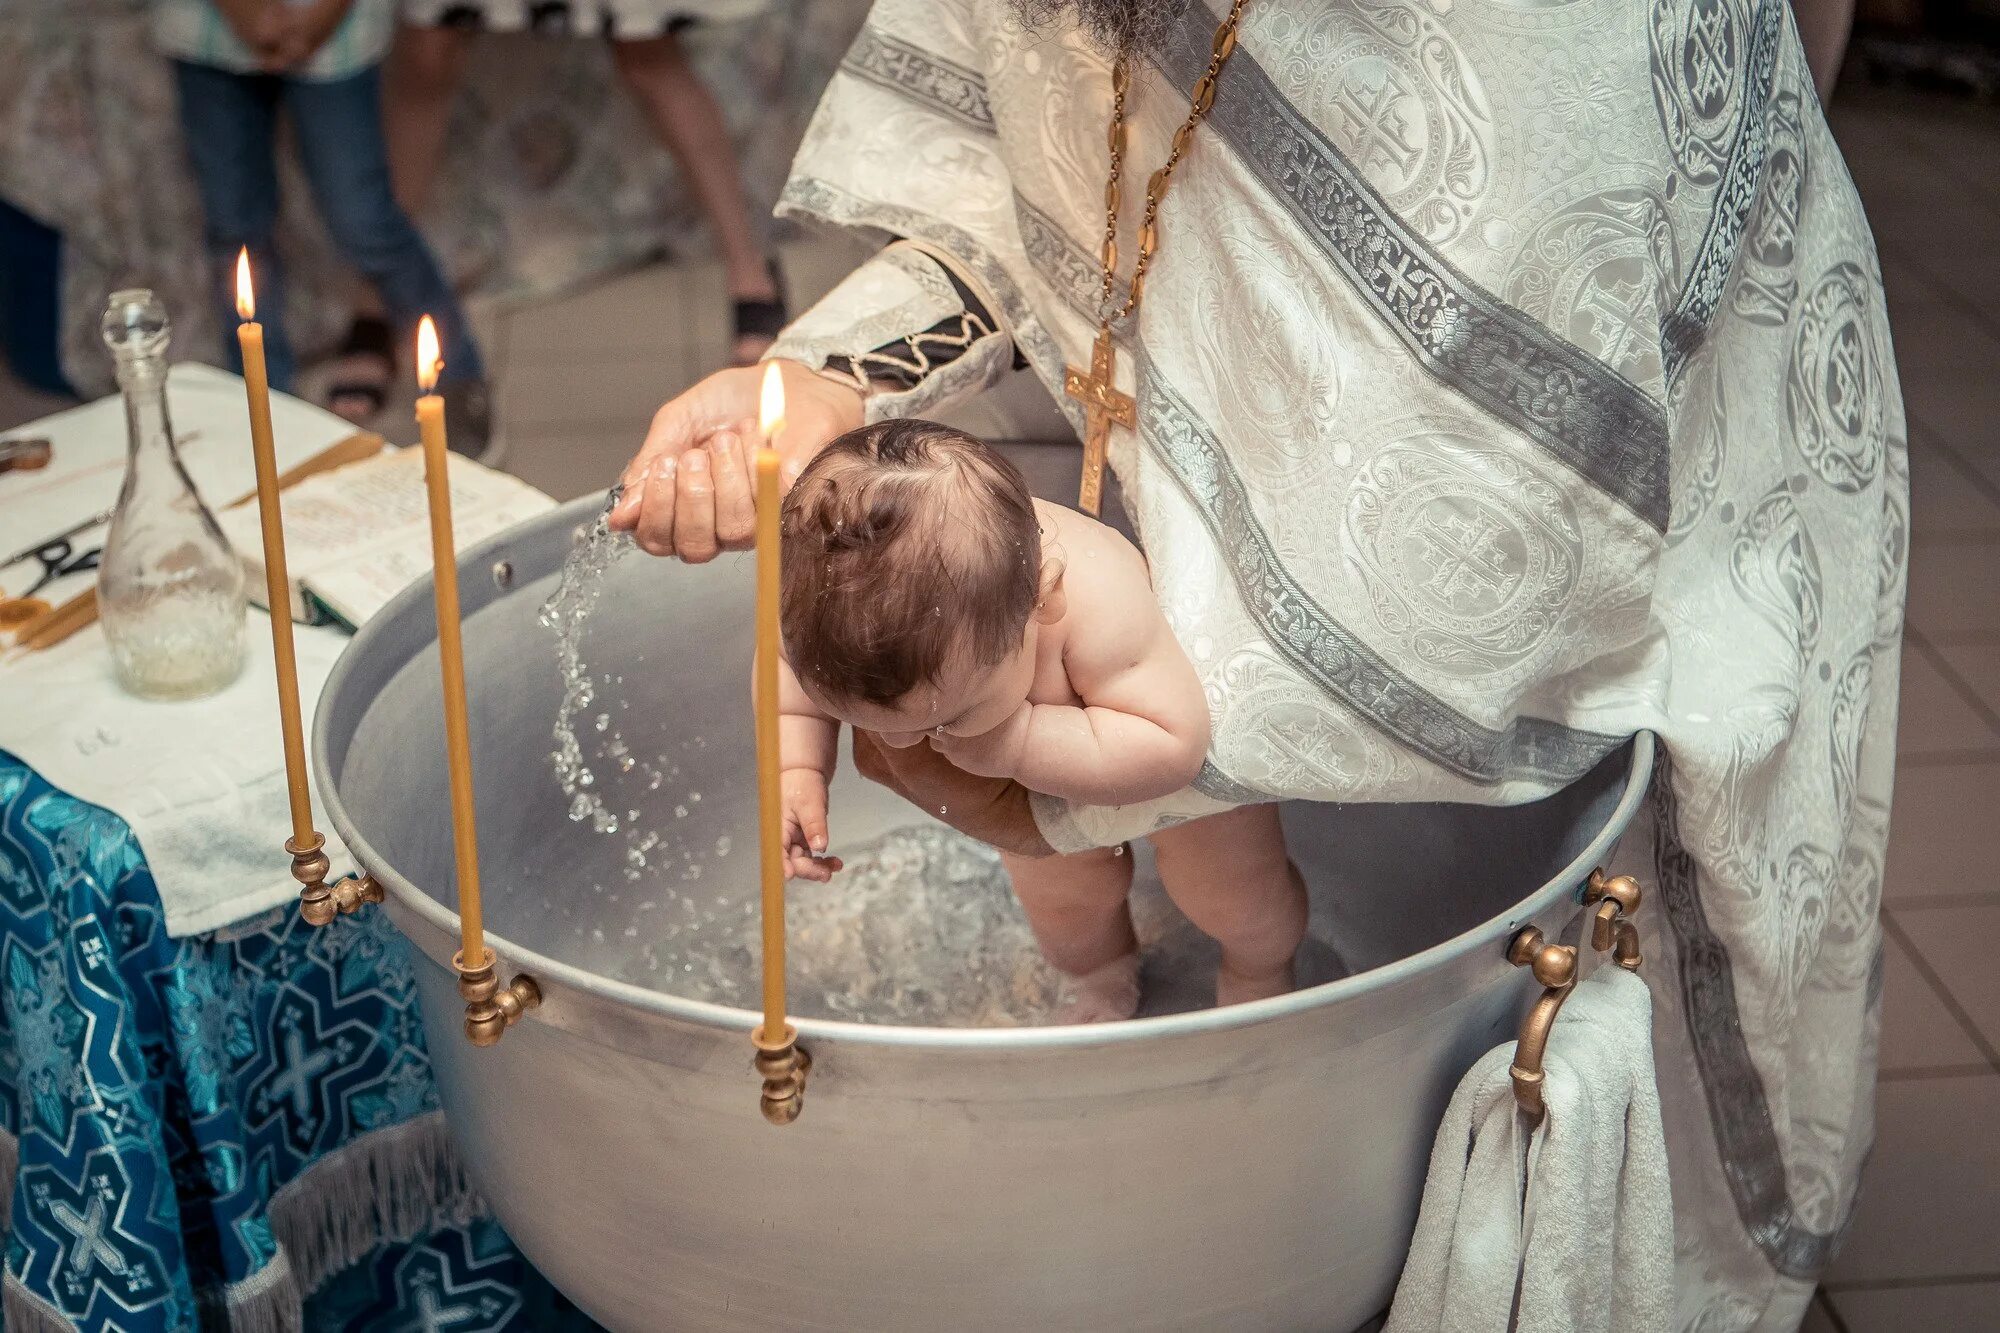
(203,1130)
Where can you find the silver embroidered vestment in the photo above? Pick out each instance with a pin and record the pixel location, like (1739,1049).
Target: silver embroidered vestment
(1514,376)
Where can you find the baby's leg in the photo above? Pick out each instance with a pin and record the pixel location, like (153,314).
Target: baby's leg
(1230,874)
(1077,907)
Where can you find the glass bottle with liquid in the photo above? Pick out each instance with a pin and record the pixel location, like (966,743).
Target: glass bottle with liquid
(169,586)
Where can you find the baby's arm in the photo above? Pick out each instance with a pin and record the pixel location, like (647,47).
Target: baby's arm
(1142,730)
(808,750)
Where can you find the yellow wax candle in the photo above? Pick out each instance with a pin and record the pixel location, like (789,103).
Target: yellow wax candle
(451,649)
(277,582)
(770,799)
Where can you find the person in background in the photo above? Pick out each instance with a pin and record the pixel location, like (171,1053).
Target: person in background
(237,65)
(429,63)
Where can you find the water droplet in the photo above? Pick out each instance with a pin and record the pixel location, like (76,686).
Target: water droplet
(680,812)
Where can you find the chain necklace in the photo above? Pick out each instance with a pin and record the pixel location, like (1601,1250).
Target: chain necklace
(1095,389)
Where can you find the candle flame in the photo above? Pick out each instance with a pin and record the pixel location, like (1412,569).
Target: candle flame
(771,405)
(429,360)
(246,299)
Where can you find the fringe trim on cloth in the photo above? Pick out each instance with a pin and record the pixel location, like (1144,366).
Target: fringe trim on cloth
(392,1184)
(21,1311)
(268,1301)
(10,1166)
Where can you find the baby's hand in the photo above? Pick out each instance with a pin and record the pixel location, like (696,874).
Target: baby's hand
(804,792)
(991,754)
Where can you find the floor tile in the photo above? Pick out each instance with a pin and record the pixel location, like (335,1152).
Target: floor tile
(1944,840)
(1959,409)
(566,464)
(1977,664)
(1954,589)
(1931,1188)
(1934,717)
(1961,945)
(539,396)
(1955,1307)
(1945,503)
(1817,1320)
(1918,1030)
(620,318)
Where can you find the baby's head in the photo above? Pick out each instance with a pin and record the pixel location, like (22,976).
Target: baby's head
(914,583)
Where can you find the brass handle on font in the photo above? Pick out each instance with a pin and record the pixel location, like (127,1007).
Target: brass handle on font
(1616,900)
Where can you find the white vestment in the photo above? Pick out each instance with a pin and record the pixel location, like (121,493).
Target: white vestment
(1512,376)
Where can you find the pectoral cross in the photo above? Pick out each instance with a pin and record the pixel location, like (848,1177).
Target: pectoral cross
(1102,405)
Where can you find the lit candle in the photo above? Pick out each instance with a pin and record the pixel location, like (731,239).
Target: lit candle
(451,649)
(277,582)
(770,800)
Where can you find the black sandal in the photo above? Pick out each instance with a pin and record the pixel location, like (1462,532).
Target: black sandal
(369,339)
(760,318)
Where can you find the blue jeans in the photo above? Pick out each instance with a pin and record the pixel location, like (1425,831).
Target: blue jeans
(230,121)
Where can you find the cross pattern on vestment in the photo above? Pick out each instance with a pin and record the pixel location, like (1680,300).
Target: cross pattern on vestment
(1709,58)
(1780,229)
(1102,405)
(1846,379)
(87,1240)
(1464,558)
(432,1314)
(294,1082)
(1379,132)
(1613,307)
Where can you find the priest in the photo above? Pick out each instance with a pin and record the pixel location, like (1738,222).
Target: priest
(1487,382)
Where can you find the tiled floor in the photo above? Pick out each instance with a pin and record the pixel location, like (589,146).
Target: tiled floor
(580,379)
(1924,1250)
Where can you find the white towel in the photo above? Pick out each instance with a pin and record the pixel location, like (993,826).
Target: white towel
(1563,1228)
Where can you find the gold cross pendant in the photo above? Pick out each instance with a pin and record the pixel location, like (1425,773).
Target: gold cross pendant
(1102,405)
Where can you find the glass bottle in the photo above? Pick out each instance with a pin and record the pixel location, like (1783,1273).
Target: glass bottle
(169,586)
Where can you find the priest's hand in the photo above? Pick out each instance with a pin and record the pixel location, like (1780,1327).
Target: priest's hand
(993,810)
(689,489)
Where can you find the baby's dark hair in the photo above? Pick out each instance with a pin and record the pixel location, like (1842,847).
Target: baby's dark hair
(904,542)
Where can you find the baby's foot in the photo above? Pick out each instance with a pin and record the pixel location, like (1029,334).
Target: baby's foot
(1106,995)
(1233,987)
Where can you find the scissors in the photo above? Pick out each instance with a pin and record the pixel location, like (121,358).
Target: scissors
(59,558)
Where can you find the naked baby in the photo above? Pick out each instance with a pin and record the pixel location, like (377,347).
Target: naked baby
(930,600)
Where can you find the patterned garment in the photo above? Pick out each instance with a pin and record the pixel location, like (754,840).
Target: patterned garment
(195,31)
(1514,377)
(227,1121)
(620,20)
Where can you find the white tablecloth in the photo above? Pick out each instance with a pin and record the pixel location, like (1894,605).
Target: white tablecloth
(201,783)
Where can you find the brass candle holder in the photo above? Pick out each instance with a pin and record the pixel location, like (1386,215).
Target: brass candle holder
(779,1060)
(490,1008)
(319,902)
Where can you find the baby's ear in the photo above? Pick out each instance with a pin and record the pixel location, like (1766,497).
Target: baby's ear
(1053,603)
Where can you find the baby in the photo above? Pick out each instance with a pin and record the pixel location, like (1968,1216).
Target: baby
(930,600)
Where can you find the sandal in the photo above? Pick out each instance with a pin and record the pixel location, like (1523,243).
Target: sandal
(761,319)
(363,370)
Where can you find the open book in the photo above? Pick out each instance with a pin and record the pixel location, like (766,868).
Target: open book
(360,534)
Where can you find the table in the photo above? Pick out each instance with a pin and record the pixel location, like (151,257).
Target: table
(243,1119)
(211,1114)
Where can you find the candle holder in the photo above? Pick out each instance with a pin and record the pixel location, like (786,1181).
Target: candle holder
(491,1008)
(783,1065)
(320,902)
